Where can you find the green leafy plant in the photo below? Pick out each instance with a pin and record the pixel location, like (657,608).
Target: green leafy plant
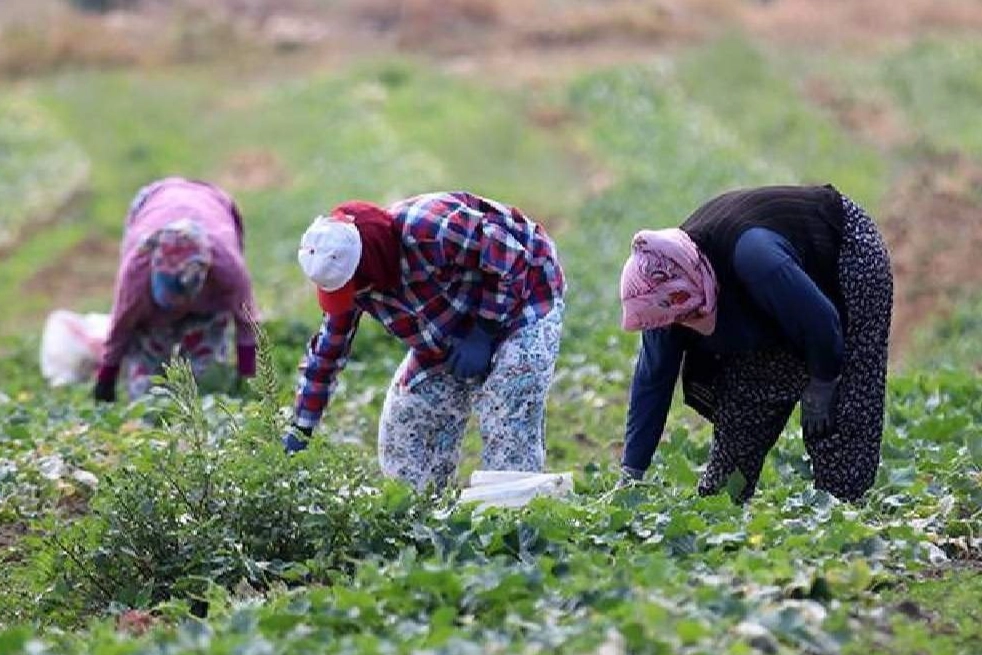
(196,507)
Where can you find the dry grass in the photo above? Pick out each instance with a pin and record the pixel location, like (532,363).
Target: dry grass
(445,26)
(832,22)
(467,25)
(873,120)
(41,35)
(593,22)
(253,170)
(55,36)
(65,39)
(50,35)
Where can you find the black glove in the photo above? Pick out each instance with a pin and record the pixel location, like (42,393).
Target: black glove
(240,387)
(104,391)
(818,408)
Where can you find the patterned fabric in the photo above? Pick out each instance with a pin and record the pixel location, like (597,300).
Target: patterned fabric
(176,245)
(421,428)
(757,391)
(463,258)
(667,280)
(200,339)
(180,257)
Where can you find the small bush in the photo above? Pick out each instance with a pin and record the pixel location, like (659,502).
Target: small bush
(201,505)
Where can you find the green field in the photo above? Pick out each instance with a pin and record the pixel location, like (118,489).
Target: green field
(178,513)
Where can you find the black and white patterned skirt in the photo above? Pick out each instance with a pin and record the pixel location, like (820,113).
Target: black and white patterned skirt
(757,391)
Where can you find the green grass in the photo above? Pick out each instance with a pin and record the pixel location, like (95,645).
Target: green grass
(40,169)
(955,341)
(932,89)
(764,103)
(938,84)
(42,174)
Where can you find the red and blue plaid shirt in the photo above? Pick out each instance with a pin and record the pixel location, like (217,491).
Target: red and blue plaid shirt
(464,258)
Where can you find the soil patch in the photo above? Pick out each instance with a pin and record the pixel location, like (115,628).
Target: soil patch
(253,170)
(87,269)
(857,22)
(874,121)
(10,535)
(931,225)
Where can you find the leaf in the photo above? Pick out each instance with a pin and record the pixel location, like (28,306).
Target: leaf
(690,631)
(679,469)
(279,623)
(13,640)
(735,484)
(973,440)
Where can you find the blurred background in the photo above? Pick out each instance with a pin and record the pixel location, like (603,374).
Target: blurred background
(598,117)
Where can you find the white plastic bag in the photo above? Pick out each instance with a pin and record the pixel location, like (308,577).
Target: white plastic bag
(72,346)
(514,488)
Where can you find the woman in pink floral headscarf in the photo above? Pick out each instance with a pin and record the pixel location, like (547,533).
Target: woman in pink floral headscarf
(762,298)
(182,283)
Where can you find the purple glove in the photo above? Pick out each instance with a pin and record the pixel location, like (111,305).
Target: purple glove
(246,360)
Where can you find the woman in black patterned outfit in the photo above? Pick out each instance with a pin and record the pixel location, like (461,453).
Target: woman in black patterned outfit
(763,298)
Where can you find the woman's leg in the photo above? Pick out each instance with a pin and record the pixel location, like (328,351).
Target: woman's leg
(147,354)
(204,340)
(511,407)
(756,394)
(845,463)
(420,430)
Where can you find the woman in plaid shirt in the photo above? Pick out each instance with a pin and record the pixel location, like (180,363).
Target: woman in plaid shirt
(474,288)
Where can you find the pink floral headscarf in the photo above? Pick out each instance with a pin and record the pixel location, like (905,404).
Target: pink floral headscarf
(667,280)
(180,258)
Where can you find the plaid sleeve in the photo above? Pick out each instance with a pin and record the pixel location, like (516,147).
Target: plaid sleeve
(326,356)
(471,233)
(504,262)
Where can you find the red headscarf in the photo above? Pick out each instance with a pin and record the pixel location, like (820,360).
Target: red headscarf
(379,267)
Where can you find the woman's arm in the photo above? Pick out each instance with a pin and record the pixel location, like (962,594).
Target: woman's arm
(770,269)
(655,374)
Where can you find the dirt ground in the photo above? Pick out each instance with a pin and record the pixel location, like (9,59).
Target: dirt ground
(859,23)
(253,169)
(931,224)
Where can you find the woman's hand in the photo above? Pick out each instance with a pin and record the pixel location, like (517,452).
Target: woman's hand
(818,408)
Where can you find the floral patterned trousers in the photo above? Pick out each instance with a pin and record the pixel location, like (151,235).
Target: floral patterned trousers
(200,339)
(421,428)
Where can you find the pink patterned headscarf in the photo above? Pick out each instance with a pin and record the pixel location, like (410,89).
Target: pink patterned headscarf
(667,280)
(180,258)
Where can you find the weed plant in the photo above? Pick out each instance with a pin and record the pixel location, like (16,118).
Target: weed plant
(196,506)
